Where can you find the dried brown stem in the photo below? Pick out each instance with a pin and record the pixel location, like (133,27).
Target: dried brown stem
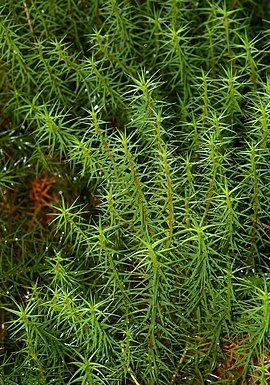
(29,20)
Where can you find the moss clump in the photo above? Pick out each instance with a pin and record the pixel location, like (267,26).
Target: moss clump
(134,181)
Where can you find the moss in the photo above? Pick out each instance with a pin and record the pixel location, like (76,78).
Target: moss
(134,182)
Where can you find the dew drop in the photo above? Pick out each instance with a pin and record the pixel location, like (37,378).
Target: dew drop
(17,162)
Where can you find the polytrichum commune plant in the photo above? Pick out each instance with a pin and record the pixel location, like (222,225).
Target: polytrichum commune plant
(134,182)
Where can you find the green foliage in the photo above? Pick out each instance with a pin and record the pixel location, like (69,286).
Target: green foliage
(134,192)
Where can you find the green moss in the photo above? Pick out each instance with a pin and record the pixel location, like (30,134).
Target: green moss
(134,192)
